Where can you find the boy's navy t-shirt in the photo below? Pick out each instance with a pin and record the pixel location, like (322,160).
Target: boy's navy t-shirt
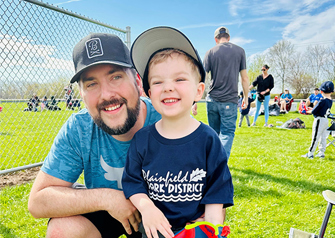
(179,175)
(322,107)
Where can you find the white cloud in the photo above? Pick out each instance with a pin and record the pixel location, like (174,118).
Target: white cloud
(312,29)
(23,52)
(62,3)
(240,41)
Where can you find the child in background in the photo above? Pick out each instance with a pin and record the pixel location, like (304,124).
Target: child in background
(176,169)
(320,124)
(244,112)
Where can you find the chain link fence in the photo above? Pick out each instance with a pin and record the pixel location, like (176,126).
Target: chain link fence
(36,43)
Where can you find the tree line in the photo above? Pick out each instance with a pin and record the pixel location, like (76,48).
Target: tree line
(300,71)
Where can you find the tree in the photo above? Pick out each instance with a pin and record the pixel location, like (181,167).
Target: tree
(330,66)
(255,66)
(280,58)
(317,58)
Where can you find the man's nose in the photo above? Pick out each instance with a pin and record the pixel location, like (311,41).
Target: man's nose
(107,90)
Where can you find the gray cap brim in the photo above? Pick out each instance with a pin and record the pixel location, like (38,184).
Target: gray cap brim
(159,38)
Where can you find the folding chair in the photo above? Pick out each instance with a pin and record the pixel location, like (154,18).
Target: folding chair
(330,198)
(331,130)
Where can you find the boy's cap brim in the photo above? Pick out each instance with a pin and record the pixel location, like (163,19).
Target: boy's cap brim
(158,38)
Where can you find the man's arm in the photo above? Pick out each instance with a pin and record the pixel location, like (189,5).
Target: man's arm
(53,197)
(245,85)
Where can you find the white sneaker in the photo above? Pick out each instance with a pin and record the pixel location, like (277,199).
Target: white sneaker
(308,156)
(253,124)
(320,155)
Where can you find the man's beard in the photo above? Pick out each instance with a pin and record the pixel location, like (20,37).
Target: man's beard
(128,124)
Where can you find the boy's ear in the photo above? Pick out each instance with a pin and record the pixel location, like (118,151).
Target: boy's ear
(200,91)
(149,91)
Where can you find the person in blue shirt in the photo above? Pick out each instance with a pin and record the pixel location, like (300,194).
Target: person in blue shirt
(285,99)
(94,142)
(314,98)
(320,123)
(176,169)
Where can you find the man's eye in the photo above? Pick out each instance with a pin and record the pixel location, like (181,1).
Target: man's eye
(117,77)
(90,85)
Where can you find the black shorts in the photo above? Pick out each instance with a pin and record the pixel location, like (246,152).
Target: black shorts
(108,226)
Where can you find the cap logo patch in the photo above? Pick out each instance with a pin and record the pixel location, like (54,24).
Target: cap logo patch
(94,48)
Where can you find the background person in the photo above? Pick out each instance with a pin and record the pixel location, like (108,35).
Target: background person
(225,62)
(94,141)
(284,100)
(244,112)
(173,77)
(314,98)
(264,83)
(320,123)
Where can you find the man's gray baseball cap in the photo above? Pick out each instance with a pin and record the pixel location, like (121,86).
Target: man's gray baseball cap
(99,48)
(221,30)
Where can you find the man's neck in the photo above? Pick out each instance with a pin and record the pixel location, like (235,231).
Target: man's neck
(223,40)
(138,125)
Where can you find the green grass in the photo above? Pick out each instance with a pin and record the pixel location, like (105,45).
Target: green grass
(26,137)
(275,188)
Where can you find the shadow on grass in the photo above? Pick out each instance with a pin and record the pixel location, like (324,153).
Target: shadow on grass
(6,232)
(301,185)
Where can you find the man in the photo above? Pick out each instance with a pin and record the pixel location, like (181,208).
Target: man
(225,62)
(96,141)
(284,100)
(313,99)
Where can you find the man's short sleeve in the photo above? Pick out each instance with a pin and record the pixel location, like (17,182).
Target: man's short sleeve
(243,64)
(207,64)
(64,160)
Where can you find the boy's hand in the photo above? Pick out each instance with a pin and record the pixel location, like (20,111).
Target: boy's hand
(154,220)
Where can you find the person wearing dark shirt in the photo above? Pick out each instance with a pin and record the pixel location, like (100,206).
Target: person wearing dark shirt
(176,169)
(320,123)
(264,83)
(244,112)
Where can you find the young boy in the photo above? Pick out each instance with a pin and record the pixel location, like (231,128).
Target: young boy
(244,112)
(176,169)
(320,124)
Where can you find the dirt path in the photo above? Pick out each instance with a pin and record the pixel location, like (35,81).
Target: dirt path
(17,178)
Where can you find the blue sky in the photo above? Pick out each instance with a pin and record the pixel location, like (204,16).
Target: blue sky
(253,24)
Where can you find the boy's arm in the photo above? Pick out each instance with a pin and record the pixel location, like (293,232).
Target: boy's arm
(213,213)
(152,218)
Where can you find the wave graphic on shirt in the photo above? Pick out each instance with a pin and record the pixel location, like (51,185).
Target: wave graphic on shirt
(178,198)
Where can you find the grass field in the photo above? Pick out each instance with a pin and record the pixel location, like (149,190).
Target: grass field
(26,137)
(275,188)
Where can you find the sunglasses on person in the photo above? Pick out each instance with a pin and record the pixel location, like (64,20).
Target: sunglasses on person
(263,69)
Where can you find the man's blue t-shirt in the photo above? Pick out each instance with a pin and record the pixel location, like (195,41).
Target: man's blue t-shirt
(179,175)
(314,97)
(82,145)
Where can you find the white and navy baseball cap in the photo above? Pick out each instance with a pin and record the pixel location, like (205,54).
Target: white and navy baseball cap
(157,39)
(99,48)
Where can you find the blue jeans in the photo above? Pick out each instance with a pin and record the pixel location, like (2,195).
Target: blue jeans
(222,118)
(266,108)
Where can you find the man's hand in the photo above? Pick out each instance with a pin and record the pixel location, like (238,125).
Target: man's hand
(125,212)
(245,103)
(194,109)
